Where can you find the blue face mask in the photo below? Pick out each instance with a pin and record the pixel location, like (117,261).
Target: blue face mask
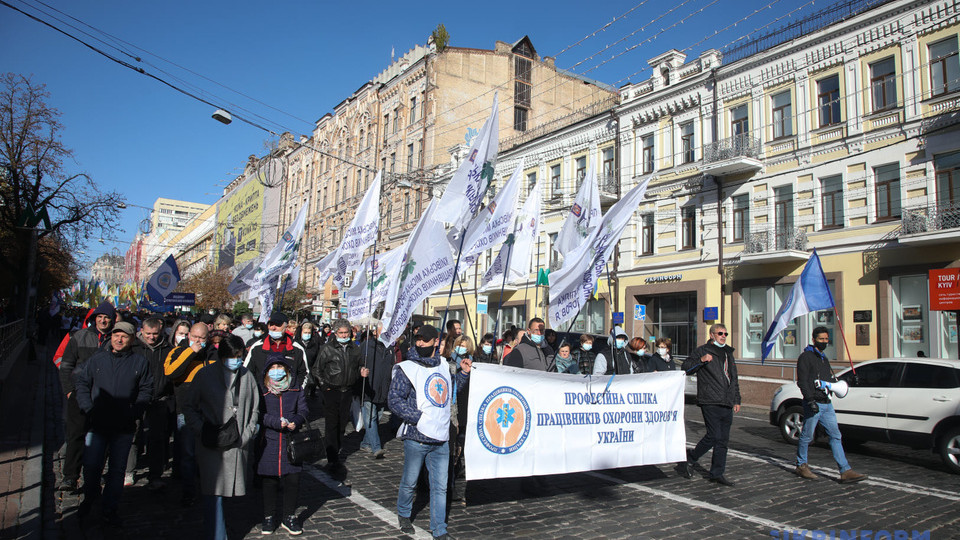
(342,339)
(305,337)
(201,343)
(536,338)
(587,346)
(461,351)
(257,333)
(233,364)
(277,374)
(275,334)
(248,326)
(487,349)
(621,343)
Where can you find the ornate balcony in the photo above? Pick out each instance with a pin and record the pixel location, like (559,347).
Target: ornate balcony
(776,246)
(935,224)
(733,155)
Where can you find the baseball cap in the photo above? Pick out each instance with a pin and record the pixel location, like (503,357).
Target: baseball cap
(427,333)
(125,327)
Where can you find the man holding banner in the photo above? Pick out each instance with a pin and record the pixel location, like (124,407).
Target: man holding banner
(420,395)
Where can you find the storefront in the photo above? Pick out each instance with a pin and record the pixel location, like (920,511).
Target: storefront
(915,329)
(671,306)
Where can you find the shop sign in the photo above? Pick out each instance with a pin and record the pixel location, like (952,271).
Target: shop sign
(663,279)
(945,289)
(481,304)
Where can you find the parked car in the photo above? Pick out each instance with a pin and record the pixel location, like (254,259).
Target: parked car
(909,401)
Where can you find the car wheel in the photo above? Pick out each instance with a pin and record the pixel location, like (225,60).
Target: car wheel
(791,422)
(949,448)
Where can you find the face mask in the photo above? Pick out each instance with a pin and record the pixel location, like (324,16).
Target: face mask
(181,337)
(536,338)
(257,333)
(305,337)
(275,334)
(201,343)
(425,352)
(461,351)
(487,349)
(662,351)
(821,346)
(277,374)
(621,343)
(717,344)
(342,339)
(233,364)
(587,346)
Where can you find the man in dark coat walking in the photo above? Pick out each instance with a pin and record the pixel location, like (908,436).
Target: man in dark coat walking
(379,359)
(340,371)
(161,412)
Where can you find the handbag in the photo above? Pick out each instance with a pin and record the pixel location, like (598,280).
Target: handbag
(304,445)
(227,434)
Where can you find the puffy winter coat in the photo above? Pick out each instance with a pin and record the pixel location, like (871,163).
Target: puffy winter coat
(292,405)
(714,387)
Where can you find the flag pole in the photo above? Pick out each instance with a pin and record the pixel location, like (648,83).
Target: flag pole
(466,311)
(511,239)
(536,283)
(373,265)
(842,336)
(456,268)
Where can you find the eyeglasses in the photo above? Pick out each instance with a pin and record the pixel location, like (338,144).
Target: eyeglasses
(722,334)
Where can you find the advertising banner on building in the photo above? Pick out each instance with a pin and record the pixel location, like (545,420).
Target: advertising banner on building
(239,224)
(528,423)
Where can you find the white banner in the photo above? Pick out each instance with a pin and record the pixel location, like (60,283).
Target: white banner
(490,228)
(584,215)
(283,256)
(530,423)
(359,235)
(370,289)
(525,232)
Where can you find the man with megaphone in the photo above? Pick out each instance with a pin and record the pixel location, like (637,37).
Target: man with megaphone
(817,383)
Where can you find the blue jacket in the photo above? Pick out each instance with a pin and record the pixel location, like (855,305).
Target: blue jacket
(402,398)
(291,405)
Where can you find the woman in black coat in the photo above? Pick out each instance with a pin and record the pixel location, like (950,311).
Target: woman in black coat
(284,412)
(309,338)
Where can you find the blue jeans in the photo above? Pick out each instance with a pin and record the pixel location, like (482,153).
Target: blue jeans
(187,443)
(96,447)
(437,458)
(827,418)
(214,525)
(371,425)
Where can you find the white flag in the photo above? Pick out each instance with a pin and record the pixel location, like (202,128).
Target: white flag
(572,285)
(372,284)
(283,256)
(426,266)
(524,237)
(360,234)
(461,198)
(290,279)
(583,217)
(491,227)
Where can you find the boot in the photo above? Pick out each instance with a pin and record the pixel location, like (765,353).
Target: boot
(803,471)
(850,476)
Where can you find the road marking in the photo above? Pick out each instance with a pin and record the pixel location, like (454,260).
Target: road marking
(763,522)
(384,514)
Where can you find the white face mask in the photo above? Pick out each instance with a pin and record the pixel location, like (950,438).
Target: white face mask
(662,351)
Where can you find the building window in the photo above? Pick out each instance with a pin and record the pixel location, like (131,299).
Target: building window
(739,121)
(386,124)
(757,305)
(406,207)
(888,191)
(420,154)
(883,84)
(915,327)
(580,171)
(554,258)
(593,317)
(608,164)
(324,201)
(393,162)
(336,193)
(531,180)
(520,118)
(360,141)
(409,157)
(828,100)
(687,149)
(396,120)
(688,220)
(555,178)
(831,197)
(647,159)
(944,66)
(783,217)
(741,217)
(413,109)
(782,115)
(646,234)
(359,189)
(947,169)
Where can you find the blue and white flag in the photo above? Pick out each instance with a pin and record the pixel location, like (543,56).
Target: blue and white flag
(164,280)
(810,293)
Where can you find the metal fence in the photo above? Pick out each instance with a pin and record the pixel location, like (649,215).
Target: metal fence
(10,335)
(737,146)
(777,240)
(930,218)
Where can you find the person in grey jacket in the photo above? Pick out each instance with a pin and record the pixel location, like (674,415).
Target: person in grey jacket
(113,388)
(718,395)
(532,352)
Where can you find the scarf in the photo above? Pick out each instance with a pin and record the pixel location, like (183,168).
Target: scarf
(278,387)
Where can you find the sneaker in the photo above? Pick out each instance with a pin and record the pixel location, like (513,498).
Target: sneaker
(722,480)
(406,526)
(379,454)
(803,471)
(67,485)
(269,525)
(292,525)
(850,476)
(684,469)
(129,479)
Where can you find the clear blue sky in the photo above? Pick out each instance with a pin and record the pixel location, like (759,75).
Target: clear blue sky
(132,134)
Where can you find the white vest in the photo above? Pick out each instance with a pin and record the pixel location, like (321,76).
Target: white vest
(434,397)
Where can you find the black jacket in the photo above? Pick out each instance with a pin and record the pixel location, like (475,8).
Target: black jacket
(813,365)
(162,385)
(79,349)
(311,350)
(113,388)
(378,358)
(624,362)
(655,362)
(585,360)
(291,350)
(528,355)
(713,387)
(339,364)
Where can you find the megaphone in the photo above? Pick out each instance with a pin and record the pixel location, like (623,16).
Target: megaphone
(839,388)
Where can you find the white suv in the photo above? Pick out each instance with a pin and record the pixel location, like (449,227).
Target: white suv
(909,401)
